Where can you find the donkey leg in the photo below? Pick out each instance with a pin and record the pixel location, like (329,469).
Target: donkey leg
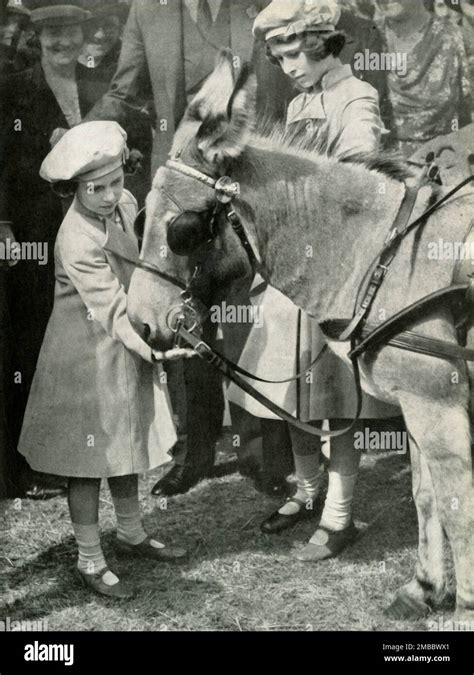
(441,432)
(428,587)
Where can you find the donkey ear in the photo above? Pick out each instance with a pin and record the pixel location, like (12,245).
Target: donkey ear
(213,97)
(228,123)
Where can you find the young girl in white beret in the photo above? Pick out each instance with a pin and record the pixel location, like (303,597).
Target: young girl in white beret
(98,406)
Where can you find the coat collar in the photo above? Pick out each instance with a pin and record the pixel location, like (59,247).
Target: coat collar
(121,243)
(310,105)
(41,98)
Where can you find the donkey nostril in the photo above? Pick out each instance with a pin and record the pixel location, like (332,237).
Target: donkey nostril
(146,332)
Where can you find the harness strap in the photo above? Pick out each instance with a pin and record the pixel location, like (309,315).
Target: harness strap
(384,260)
(391,332)
(227,368)
(390,250)
(431,346)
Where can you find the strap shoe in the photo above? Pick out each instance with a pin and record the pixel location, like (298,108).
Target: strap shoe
(326,543)
(119,591)
(278,522)
(146,550)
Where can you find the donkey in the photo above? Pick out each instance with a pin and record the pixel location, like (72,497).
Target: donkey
(315,225)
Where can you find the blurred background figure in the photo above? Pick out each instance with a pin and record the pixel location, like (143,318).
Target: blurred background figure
(362,35)
(460,13)
(6,447)
(431,97)
(14,54)
(447,9)
(103,35)
(467,29)
(363,8)
(97,65)
(34,104)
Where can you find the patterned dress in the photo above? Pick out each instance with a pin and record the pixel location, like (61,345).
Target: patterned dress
(432,98)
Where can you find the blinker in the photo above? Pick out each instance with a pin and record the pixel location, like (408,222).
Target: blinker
(188,231)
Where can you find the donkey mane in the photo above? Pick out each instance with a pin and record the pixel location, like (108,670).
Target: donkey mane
(388,163)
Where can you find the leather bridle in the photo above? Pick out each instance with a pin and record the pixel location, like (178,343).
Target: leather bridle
(186,315)
(183,320)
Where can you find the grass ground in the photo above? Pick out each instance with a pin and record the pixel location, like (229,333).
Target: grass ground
(236,579)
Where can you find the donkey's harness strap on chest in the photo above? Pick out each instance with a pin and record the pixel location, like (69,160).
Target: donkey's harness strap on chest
(385,259)
(398,232)
(393,331)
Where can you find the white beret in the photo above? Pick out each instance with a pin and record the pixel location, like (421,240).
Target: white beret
(291,18)
(86,152)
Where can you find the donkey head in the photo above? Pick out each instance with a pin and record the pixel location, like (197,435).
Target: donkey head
(183,230)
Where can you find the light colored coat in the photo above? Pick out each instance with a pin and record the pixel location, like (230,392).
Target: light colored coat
(98,407)
(346,115)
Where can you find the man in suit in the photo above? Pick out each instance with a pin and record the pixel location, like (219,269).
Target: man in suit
(177,43)
(362,34)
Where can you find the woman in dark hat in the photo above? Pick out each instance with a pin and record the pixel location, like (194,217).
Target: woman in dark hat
(33,104)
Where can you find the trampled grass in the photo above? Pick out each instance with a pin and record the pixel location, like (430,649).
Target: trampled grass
(236,578)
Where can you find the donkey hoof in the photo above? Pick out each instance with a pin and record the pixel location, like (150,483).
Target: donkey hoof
(405,607)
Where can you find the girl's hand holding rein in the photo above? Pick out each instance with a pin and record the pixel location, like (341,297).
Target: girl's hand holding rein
(172,354)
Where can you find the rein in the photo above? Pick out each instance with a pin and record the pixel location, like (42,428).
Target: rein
(183,320)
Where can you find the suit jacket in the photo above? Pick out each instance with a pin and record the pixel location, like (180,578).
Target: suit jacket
(153,38)
(94,83)
(364,34)
(116,412)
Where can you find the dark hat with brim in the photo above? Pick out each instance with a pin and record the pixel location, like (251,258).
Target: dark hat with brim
(18,9)
(59,15)
(100,9)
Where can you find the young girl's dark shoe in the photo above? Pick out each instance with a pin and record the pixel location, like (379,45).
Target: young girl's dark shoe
(327,543)
(278,522)
(146,550)
(119,591)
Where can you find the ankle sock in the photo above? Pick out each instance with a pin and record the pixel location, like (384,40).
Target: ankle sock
(308,476)
(129,522)
(338,505)
(91,557)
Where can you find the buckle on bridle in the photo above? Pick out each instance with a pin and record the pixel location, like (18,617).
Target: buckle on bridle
(226,189)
